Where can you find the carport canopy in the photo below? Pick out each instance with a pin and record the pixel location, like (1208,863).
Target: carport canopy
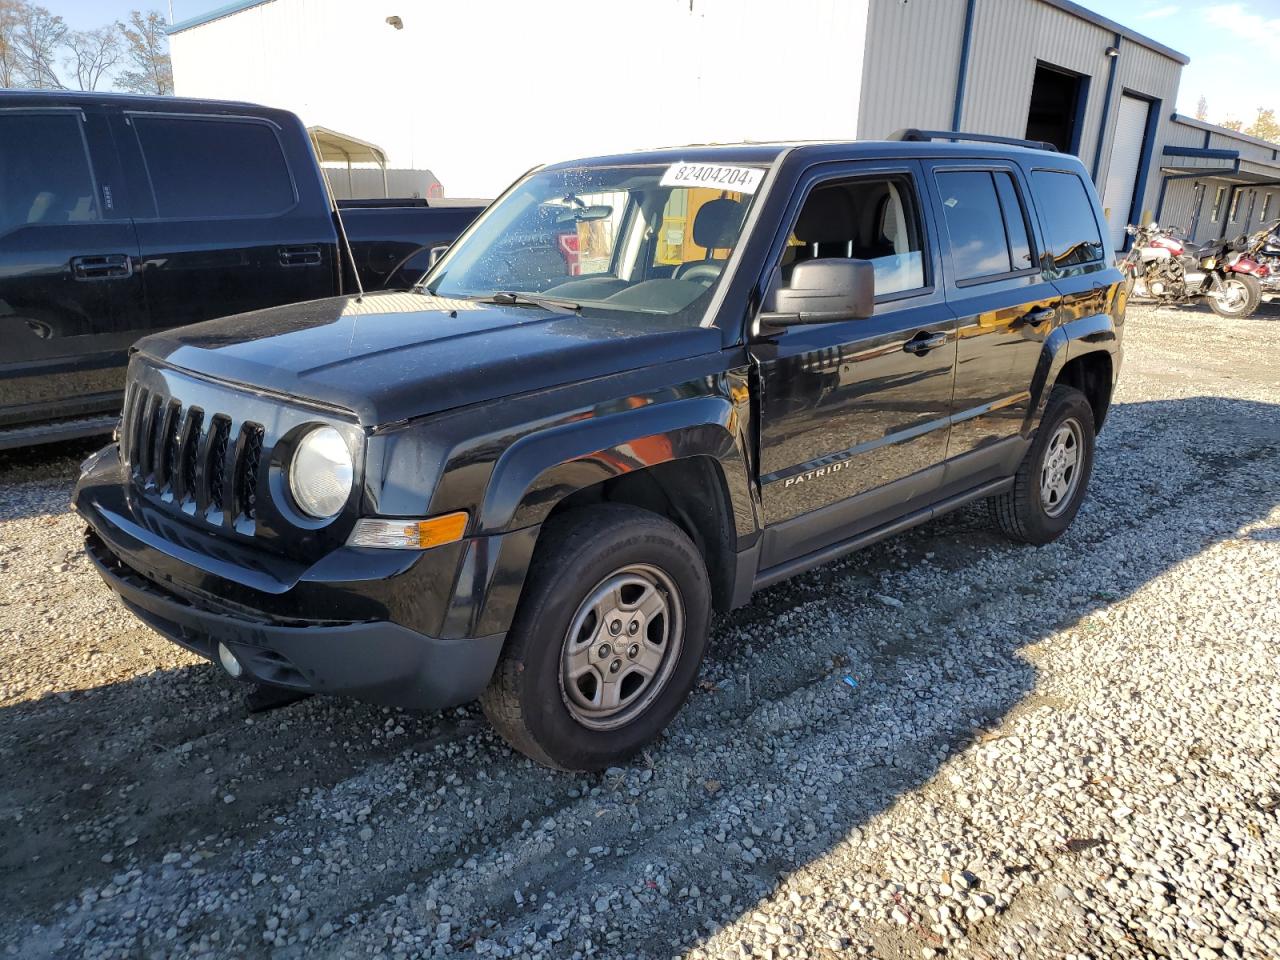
(334,147)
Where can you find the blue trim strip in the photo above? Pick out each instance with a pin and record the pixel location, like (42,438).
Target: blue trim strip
(216,14)
(1172,150)
(963,73)
(1106,110)
(1082,107)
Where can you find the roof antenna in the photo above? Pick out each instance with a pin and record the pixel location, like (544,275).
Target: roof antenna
(337,216)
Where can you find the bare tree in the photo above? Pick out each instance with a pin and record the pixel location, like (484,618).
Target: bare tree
(93,54)
(36,39)
(9,76)
(147,53)
(1202,108)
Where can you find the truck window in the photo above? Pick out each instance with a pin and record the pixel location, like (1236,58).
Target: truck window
(1066,210)
(213,167)
(870,218)
(44,171)
(985,223)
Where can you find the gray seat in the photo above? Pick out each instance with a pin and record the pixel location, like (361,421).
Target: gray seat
(715,227)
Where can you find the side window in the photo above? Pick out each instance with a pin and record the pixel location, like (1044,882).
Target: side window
(1015,221)
(985,223)
(44,171)
(1067,211)
(214,168)
(1217,203)
(870,218)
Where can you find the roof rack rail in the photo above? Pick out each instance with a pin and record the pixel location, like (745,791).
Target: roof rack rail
(911,134)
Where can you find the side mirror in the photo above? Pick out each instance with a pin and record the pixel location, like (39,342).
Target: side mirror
(435,253)
(822,291)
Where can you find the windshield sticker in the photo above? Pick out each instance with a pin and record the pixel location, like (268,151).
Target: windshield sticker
(738,179)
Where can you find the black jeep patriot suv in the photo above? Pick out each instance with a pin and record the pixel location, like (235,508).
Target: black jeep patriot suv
(637,389)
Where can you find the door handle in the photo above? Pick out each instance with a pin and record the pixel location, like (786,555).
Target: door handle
(1039,315)
(304,256)
(102,266)
(924,341)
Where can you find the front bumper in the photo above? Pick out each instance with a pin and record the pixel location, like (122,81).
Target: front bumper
(367,654)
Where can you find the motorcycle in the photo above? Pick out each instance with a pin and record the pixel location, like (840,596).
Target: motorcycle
(1165,267)
(1264,247)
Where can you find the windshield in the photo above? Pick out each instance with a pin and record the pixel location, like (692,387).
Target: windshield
(641,239)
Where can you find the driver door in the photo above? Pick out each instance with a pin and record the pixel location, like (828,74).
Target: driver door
(854,415)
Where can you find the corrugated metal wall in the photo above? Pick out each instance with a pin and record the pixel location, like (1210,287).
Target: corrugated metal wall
(913,57)
(909,69)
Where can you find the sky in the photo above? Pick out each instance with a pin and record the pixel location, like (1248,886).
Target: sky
(1233,49)
(1233,46)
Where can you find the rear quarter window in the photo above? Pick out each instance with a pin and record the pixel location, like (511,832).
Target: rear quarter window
(1066,211)
(211,167)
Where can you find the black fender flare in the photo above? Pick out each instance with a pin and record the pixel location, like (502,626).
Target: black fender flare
(1095,333)
(541,469)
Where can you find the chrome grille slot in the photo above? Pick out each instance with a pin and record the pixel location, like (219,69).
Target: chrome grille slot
(167,442)
(147,438)
(184,479)
(248,458)
(216,465)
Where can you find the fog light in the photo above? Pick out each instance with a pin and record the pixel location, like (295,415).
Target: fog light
(229,661)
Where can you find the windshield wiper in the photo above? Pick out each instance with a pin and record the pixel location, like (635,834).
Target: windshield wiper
(511,298)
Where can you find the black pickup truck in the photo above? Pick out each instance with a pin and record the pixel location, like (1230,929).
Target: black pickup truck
(121,216)
(531,480)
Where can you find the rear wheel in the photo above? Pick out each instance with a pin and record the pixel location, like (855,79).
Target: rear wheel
(1051,481)
(607,641)
(1239,296)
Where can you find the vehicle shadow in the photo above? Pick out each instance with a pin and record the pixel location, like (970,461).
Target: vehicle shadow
(386,820)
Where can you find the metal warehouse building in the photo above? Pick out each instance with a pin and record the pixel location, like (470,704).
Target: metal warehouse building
(478,92)
(1217,182)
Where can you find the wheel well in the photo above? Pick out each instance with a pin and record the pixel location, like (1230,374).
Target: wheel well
(1091,375)
(691,494)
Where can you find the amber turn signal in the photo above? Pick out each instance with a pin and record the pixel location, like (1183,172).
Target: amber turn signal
(409,534)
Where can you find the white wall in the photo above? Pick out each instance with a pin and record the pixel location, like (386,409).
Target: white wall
(480,90)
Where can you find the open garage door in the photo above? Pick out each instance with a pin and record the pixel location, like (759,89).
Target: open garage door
(1122,171)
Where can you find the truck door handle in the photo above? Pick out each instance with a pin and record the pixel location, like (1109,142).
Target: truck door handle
(924,341)
(102,266)
(304,256)
(1039,315)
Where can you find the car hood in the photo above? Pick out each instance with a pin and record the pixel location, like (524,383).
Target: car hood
(392,356)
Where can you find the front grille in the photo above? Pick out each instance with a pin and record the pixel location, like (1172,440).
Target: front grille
(189,457)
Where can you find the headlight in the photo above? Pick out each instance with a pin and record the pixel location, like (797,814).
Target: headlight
(321,473)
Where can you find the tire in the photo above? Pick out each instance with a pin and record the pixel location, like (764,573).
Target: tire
(1022,513)
(550,693)
(1247,304)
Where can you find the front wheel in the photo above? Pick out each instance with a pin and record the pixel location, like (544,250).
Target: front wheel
(607,640)
(1238,296)
(1051,481)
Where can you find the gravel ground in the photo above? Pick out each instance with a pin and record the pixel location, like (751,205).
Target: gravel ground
(1060,752)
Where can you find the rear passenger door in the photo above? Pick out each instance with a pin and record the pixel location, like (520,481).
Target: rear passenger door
(70,298)
(228,224)
(1005,308)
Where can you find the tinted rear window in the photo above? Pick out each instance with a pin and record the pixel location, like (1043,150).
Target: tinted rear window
(44,171)
(1066,211)
(214,168)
